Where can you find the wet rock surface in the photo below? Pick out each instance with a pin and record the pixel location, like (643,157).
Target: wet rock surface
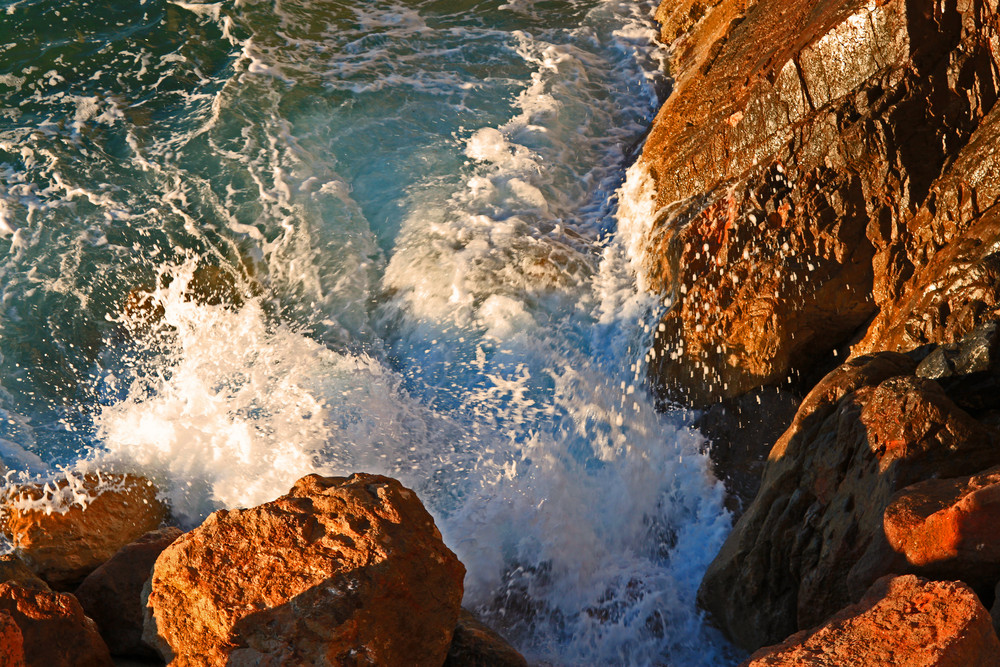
(81,523)
(112,594)
(338,571)
(813,541)
(820,163)
(904,621)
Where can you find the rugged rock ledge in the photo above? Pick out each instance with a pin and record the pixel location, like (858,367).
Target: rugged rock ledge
(337,571)
(823,186)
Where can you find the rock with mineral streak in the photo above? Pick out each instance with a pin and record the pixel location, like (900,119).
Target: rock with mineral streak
(902,621)
(111,594)
(65,530)
(338,571)
(812,540)
(55,631)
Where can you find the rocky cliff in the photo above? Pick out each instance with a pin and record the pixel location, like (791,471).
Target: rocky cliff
(822,188)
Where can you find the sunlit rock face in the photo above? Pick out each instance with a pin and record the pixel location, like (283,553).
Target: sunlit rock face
(814,160)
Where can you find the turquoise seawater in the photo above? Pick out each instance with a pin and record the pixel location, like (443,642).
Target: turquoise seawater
(411,211)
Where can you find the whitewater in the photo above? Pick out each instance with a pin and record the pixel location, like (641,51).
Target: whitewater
(394,237)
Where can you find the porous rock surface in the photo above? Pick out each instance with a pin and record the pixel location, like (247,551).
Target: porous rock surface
(83,524)
(824,174)
(338,571)
(813,541)
(902,621)
(112,594)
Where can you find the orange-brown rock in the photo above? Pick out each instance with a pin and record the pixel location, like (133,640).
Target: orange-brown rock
(338,571)
(112,594)
(63,531)
(814,157)
(54,629)
(477,645)
(902,621)
(11,642)
(812,541)
(949,527)
(13,570)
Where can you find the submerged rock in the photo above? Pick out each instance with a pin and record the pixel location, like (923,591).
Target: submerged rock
(55,632)
(65,530)
(477,645)
(112,594)
(338,571)
(813,541)
(902,621)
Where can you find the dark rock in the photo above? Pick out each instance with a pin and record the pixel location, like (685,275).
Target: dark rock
(54,629)
(111,594)
(477,645)
(741,432)
(13,570)
(812,540)
(902,621)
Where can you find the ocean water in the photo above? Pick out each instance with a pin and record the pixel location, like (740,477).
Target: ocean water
(244,241)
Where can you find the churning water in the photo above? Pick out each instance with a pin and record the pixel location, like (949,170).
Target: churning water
(399,221)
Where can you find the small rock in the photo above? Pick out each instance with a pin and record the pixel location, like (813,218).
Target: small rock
(902,621)
(83,522)
(11,642)
(949,526)
(111,594)
(338,571)
(55,631)
(13,570)
(477,645)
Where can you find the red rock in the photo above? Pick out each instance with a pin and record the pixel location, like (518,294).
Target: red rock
(111,594)
(13,570)
(902,621)
(11,642)
(812,540)
(55,631)
(93,517)
(339,571)
(477,645)
(949,526)
(813,160)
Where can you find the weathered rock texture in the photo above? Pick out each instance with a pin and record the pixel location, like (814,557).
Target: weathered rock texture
(54,630)
(813,540)
(112,594)
(339,571)
(11,642)
(902,621)
(820,163)
(82,525)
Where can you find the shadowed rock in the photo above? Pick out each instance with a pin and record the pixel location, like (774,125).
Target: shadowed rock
(112,594)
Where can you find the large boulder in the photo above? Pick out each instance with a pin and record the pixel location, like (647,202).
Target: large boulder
(812,541)
(819,163)
(902,621)
(54,630)
(65,530)
(112,594)
(338,571)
